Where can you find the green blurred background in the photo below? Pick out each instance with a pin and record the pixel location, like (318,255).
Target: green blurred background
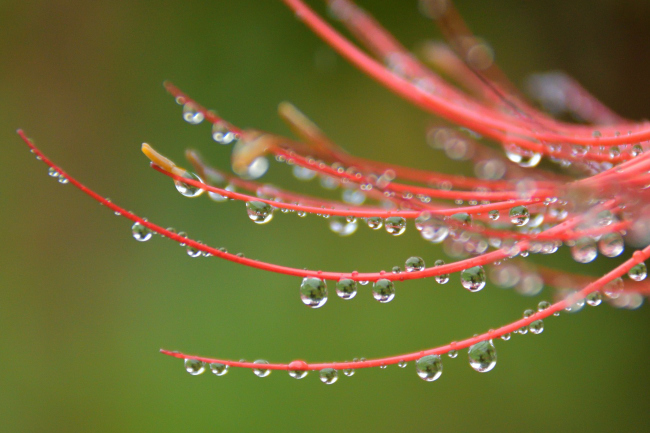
(84,308)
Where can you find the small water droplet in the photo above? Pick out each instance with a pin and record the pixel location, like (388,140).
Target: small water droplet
(506,336)
(194,367)
(259,212)
(594,299)
(473,279)
(453,353)
(313,292)
(414,264)
(140,232)
(218,368)
(494,214)
(543,305)
(396,270)
(222,134)
(191,114)
(261,372)
(395,225)
(383,290)
(346,288)
(442,278)
(52,172)
(402,364)
(519,215)
(350,371)
(429,368)
(374,223)
(483,356)
(328,376)
(638,272)
(63,180)
(192,252)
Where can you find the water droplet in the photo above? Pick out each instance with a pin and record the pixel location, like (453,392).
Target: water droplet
(194,367)
(611,245)
(395,225)
(222,134)
(523,158)
(183,235)
(261,372)
(383,290)
(259,212)
(543,305)
(483,356)
(528,313)
(191,114)
(442,278)
(353,196)
(374,223)
(638,272)
(462,218)
(453,353)
(396,270)
(346,288)
(519,215)
(429,367)
(414,264)
(584,250)
(218,368)
(298,369)
(52,172)
(402,364)
(63,180)
(494,214)
(350,371)
(594,299)
(614,288)
(431,228)
(506,336)
(193,252)
(536,327)
(186,189)
(342,227)
(313,292)
(473,279)
(328,376)
(140,232)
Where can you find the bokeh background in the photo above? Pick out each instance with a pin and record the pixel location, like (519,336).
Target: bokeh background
(84,308)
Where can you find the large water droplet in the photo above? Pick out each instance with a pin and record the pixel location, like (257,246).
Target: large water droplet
(259,212)
(218,368)
(584,250)
(395,225)
(414,264)
(328,376)
(194,367)
(429,367)
(383,290)
(611,245)
(431,228)
(186,189)
(483,356)
(519,215)
(313,292)
(140,232)
(342,227)
(638,272)
(346,288)
(261,372)
(298,369)
(536,327)
(473,279)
